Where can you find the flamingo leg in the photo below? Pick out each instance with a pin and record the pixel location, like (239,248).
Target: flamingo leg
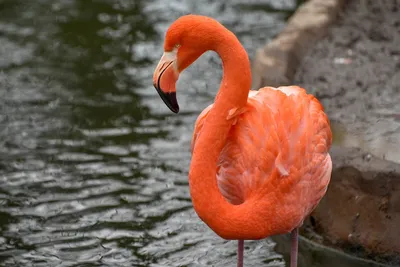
(240,253)
(294,236)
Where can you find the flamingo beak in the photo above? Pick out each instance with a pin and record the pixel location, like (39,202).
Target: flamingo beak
(164,80)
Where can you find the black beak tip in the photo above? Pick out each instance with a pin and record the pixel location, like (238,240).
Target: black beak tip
(169,99)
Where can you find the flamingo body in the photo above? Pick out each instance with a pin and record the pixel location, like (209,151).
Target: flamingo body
(277,148)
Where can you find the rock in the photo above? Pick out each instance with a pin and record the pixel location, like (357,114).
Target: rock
(361,210)
(354,72)
(315,254)
(276,63)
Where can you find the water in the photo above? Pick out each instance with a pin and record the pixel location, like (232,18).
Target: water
(93,166)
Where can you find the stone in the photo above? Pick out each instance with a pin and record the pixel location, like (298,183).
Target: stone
(361,211)
(276,63)
(352,67)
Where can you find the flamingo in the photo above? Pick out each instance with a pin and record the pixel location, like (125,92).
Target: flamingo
(260,161)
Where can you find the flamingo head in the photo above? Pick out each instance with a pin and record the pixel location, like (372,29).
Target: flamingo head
(165,77)
(186,40)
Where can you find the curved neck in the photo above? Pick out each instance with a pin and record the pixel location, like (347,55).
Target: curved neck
(221,216)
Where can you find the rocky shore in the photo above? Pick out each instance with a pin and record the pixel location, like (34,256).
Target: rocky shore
(351,61)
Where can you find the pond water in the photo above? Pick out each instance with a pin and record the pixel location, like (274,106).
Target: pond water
(93,165)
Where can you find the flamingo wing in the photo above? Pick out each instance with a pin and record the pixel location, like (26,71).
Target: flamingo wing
(283,133)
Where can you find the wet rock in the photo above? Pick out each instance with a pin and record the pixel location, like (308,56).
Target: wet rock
(313,253)
(361,210)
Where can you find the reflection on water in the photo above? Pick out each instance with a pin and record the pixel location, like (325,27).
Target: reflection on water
(93,165)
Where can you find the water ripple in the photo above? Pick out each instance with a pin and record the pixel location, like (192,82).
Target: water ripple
(93,167)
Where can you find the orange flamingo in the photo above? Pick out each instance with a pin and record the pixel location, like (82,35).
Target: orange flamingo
(260,161)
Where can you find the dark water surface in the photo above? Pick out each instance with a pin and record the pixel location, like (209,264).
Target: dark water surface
(93,166)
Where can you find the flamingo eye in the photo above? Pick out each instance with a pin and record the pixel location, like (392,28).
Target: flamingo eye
(177,45)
